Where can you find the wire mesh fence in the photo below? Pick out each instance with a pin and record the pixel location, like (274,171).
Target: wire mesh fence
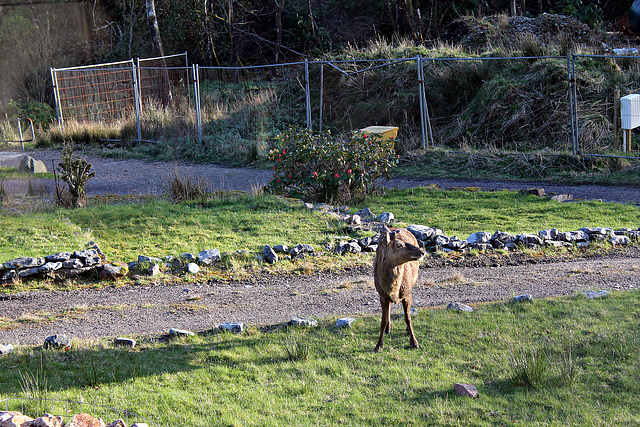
(510,104)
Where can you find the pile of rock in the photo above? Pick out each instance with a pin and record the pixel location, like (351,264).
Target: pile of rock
(17,419)
(61,264)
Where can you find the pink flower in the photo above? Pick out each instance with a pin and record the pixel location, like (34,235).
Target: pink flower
(278,179)
(315,173)
(365,136)
(279,160)
(274,168)
(290,176)
(337,175)
(284,151)
(349,171)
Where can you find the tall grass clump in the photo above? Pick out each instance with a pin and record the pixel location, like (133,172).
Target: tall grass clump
(182,187)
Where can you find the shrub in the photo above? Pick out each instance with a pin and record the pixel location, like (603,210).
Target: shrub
(75,172)
(326,168)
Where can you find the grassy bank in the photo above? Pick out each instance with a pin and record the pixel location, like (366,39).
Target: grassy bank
(567,361)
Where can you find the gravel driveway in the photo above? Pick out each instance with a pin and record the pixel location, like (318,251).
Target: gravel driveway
(266,300)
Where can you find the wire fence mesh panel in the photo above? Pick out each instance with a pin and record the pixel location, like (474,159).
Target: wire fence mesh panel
(164,80)
(247,107)
(102,93)
(351,95)
(597,77)
(505,104)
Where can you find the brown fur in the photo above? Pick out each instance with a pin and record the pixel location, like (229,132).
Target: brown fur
(395,271)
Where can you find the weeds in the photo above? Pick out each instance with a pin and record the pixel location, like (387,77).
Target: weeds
(528,365)
(75,172)
(295,349)
(182,187)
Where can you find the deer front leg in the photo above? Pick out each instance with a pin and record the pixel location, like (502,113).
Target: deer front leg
(406,305)
(385,322)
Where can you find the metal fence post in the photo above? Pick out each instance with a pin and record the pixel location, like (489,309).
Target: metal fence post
(56,95)
(136,99)
(307,92)
(571,76)
(420,97)
(576,129)
(321,94)
(196,95)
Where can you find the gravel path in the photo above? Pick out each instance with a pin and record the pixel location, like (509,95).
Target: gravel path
(133,310)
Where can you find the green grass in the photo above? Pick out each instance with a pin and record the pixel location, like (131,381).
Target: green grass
(245,222)
(227,380)
(12,173)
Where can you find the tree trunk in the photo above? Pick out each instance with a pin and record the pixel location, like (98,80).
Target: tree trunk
(279,10)
(156,49)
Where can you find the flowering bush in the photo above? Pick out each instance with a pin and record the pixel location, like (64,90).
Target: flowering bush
(326,168)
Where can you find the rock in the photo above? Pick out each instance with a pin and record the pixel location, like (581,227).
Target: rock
(140,425)
(9,276)
(308,205)
(117,423)
(619,240)
(561,197)
(59,257)
(18,420)
(365,214)
(422,232)
(482,246)
(6,415)
(365,242)
(386,217)
(180,333)
(442,241)
(187,256)
(48,420)
(269,254)
(235,327)
(58,341)
(355,220)
(86,254)
(209,256)
(153,270)
(534,191)
(193,268)
(594,294)
(86,420)
(580,236)
(301,249)
(523,298)
(456,244)
(111,272)
(281,249)
(551,234)
(458,306)
(465,390)
(479,237)
(72,263)
(345,322)
(530,239)
(501,236)
(303,321)
(48,267)
(29,272)
(6,349)
(124,342)
(30,165)
(23,262)
(149,259)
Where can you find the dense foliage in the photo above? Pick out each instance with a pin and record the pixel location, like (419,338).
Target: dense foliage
(327,168)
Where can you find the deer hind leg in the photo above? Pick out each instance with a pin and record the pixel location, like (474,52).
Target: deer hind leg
(406,305)
(385,322)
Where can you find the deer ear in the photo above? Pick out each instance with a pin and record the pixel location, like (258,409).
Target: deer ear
(386,237)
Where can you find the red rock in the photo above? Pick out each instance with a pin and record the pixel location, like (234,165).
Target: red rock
(86,420)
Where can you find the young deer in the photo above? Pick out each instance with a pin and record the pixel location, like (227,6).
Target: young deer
(395,271)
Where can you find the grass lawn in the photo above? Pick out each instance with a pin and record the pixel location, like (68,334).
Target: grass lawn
(565,361)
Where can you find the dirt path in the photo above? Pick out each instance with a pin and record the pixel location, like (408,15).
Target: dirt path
(270,300)
(116,176)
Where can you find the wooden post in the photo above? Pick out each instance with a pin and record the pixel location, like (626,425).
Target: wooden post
(616,118)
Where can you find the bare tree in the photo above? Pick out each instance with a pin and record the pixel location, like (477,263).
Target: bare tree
(279,11)
(156,49)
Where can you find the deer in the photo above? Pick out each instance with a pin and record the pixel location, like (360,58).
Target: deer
(395,271)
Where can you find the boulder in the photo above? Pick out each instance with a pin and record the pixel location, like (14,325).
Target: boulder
(386,217)
(180,333)
(23,262)
(458,306)
(86,420)
(192,268)
(30,165)
(365,214)
(18,420)
(281,249)
(345,322)
(523,298)
(209,256)
(48,420)
(6,349)
(465,390)
(235,327)
(72,263)
(124,342)
(479,237)
(269,254)
(59,257)
(303,321)
(422,232)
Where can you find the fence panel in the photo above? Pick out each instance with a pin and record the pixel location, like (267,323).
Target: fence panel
(249,104)
(597,77)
